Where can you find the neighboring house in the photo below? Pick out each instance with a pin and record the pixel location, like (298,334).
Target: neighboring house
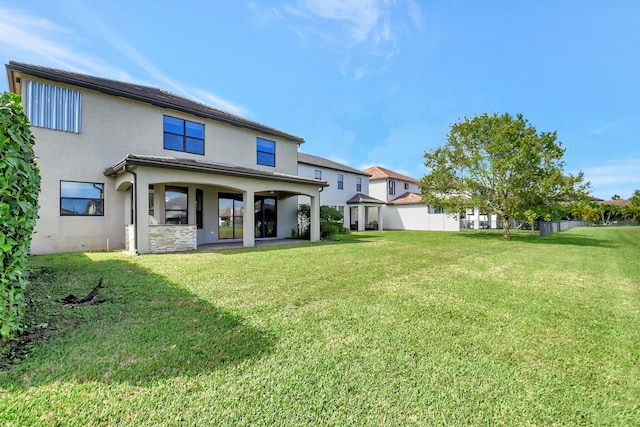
(387,185)
(474,218)
(404,209)
(133,167)
(347,190)
(616,202)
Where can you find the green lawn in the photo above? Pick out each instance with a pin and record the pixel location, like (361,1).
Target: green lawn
(380,328)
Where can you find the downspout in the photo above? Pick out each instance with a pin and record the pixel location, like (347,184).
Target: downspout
(135,208)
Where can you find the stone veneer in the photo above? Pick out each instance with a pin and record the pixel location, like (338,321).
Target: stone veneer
(172,238)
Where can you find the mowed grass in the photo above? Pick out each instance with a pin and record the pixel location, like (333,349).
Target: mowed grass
(380,328)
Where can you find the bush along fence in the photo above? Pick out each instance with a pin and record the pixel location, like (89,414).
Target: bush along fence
(549,227)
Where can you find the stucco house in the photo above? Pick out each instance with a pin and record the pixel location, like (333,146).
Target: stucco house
(125,166)
(347,191)
(403,209)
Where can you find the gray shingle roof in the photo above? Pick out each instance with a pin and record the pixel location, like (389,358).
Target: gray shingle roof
(364,198)
(205,167)
(150,95)
(309,159)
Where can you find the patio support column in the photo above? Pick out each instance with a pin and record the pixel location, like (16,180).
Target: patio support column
(142,215)
(315,219)
(248,219)
(380,224)
(361,217)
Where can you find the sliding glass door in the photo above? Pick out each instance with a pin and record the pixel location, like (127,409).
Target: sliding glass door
(266,217)
(230,211)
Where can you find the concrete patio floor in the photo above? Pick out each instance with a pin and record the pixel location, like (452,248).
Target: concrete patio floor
(238,244)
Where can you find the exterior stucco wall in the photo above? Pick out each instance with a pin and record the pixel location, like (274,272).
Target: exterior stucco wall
(379,188)
(417,217)
(332,195)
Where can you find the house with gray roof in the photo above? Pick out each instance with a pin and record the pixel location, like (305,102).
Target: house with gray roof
(126,166)
(347,191)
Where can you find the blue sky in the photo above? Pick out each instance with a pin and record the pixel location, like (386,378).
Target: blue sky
(368,82)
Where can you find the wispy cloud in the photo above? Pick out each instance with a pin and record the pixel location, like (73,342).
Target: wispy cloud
(28,38)
(34,39)
(372,26)
(615,177)
(605,128)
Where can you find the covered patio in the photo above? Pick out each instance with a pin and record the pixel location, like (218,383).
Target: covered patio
(367,212)
(176,204)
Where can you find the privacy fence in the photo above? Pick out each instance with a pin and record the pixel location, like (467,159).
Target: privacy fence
(549,227)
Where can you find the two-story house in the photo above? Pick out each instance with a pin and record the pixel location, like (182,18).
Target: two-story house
(347,191)
(134,167)
(404,209)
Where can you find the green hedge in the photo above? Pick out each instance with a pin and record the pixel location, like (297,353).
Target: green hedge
(19,188)
(330,222)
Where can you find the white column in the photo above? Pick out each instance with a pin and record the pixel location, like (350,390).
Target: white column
(315,219)
(380,224)
(248,220)
(361,217)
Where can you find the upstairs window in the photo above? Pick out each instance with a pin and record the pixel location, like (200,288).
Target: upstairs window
(406,185)
(392,188)
(81,198)
(358,184)
(183,135)
(53,107)
(340,181)
(266,152)
(317,174)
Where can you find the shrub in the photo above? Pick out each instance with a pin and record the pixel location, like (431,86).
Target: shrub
(330,222)
(19,188)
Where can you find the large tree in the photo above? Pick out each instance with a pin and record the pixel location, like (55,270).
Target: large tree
(499,164)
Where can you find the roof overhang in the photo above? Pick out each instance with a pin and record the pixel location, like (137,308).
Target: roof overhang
(363,199)
(191,165)
(140,93)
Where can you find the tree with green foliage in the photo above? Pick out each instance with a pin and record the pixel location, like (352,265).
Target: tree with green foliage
(330,221)
(632,211)
(531,216)
(19,188)
(585,211)
(608,212)
(498,164)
